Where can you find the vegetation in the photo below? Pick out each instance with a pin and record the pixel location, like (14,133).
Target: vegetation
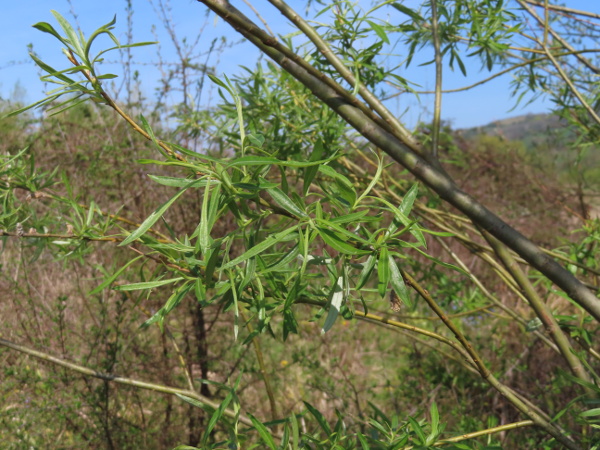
(293,267)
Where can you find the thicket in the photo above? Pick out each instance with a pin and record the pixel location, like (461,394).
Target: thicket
(292,267)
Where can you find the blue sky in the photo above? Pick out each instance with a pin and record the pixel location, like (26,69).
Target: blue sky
(476,107)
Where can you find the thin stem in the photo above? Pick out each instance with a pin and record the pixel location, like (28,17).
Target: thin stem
(564,9)
(437,109)
(346,73)
(263,368)
(484,372)
(556,36)
(122,380)
(487,432)
(540,308)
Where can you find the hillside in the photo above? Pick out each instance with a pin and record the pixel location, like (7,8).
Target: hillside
(528,128)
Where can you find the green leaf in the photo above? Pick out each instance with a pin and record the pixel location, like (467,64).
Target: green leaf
(409,199)
(383,271)
(363,441)
(331,172)
(146,284)
(380,31)
(336,242)
(71,34)
(103,29)
(435,422)
(203,227)
(295,432)
(263,432)
(310,172)
(337,299)
(252,160)
(52,71)
(178,182)
(215,418)
(320,418)
(47,28)
(590,413)
(398,282)
(365,274)
(409,12)
(286,203)
(373,181)
(353,218)
(260,247)
(112,278)
(285,259)
(157,214)
(417,429)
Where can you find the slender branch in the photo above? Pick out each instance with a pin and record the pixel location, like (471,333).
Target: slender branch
(263,369)
(122,380)
(572,86)
(437,109)
(489,295)
(499,429)
(557,37)
(346,73)
(564,9)
(540,308)
(484,372)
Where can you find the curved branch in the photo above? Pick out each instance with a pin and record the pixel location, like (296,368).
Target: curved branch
(122,380)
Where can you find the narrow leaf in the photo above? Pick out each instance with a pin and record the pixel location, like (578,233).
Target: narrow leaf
(157,214)
(259,248)
(146,284)
(286,203)
(334,308)
(398,282)
(263,432)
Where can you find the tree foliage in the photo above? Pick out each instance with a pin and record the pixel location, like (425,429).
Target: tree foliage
(301,219)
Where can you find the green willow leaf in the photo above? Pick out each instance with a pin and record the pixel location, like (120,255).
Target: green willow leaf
(253,160)
(157,214)
(263,432)
(336,242)
(178,182)
(286,203)
(259,248)
(409,200)
(365,274)
(71,34)
(337,299)
(112,278)
(320,418)
(146,284)
(383,271)
(310,172)
(398,282)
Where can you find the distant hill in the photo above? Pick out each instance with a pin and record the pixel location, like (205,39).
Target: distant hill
(547,143)
(531,129)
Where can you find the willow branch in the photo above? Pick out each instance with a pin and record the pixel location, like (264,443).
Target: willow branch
(487,432)
(346,73)
(577,12)
(438,181)
(437,109)
(484,372)
(557,37)
(541,309)
(122,380)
